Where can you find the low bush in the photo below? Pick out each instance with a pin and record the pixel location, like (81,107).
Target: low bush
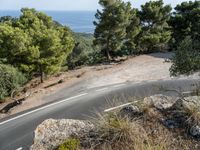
(187,58)
(10,79)
(70,144)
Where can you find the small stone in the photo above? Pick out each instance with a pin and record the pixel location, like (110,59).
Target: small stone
(195,131)
(171,124)
(61,81)
(130,111)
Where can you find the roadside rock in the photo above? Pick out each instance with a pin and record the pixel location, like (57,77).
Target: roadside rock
(195,131)
(130,112)
(52,133)
(171,124)
(160,102)
(192,101)
(189,103)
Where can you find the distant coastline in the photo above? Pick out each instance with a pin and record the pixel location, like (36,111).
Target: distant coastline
(78,21)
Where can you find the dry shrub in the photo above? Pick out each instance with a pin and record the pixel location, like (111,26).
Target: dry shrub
(115,133)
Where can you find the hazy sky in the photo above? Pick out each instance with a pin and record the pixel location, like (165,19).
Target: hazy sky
(65,4)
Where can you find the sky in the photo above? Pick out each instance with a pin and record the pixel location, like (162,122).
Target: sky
(88,5)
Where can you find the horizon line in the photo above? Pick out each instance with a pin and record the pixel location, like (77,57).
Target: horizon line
(44,9)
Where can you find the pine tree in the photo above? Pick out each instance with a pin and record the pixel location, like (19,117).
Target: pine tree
(111,26)
(186,21)
(155,30)
(35,43)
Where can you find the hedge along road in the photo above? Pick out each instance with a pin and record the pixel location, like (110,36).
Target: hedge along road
(17,131)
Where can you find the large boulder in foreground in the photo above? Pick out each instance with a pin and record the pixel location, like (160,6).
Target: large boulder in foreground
(51,133)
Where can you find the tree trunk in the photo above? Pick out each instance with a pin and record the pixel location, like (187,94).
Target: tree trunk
(108,54)
(107,50)
(41,75)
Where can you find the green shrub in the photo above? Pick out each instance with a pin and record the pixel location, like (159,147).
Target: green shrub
(187,58)
(10,79)
(70,144)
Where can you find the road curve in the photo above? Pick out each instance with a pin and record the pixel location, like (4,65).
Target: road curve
(17,131)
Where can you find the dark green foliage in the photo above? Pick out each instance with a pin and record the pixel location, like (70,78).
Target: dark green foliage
(132,30)
(84,52)
(155,30)
(35,43)
(186,38)
(10,79)
(7,19)
(186,21)
(111,26)
(187,58)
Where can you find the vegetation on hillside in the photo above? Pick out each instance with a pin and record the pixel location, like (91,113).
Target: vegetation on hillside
(34,43)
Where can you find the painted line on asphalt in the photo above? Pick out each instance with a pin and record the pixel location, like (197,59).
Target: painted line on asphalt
(20,148)
(119,85)
(188,92)
(103,89)
(44,107)
(120,106)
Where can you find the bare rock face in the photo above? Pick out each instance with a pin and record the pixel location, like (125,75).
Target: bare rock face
(52,133)
(160,102)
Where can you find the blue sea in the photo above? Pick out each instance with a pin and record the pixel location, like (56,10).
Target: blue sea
(78,21)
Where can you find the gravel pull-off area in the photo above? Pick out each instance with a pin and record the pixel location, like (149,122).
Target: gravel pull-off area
(138,69)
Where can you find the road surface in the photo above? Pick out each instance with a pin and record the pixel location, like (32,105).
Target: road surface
(17,131)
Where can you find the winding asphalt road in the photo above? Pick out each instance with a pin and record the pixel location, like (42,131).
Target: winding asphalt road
(17,131)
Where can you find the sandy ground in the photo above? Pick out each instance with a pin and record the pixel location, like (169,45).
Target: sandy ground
(137,69)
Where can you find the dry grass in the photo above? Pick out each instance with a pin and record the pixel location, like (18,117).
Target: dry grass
(115,133)
(193,114)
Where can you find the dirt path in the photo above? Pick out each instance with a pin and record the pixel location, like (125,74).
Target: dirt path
(137,69)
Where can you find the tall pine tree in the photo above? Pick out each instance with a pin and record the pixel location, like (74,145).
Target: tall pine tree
(111,26)
(155,33)
(186,21)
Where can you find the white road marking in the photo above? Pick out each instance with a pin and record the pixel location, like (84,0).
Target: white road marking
(103,89)
(47,106)
(188,92)
(119,85)
(113,108)
(20,148)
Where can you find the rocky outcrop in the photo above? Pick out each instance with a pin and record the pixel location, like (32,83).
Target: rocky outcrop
(51,133)
(160,102)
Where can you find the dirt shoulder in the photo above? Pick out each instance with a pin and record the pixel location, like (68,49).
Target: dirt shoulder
(136,69)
